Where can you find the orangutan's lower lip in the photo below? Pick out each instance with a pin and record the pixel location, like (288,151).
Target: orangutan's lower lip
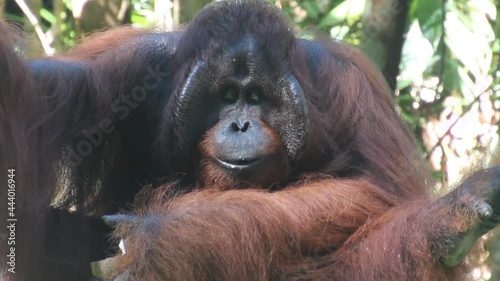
(238,164)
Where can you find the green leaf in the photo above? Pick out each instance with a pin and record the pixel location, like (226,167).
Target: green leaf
(15,18)
(339,31)
(348,9)
(485,6)
(451,77)
(405,100)
(467,86)
(432,29)
(414,63)
(470,47)
(426,9)
(311,8)
(48,16)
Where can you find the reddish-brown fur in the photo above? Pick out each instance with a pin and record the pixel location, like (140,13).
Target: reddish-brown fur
(327,229)
(358,203)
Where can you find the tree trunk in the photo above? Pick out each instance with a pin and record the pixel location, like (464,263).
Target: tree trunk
(384,25)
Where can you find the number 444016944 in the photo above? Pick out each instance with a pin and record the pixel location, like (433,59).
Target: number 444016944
(11,192)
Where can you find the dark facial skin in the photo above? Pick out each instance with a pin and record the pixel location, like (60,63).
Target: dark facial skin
(250,119)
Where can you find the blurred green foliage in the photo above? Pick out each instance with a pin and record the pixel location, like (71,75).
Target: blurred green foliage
(448,86)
